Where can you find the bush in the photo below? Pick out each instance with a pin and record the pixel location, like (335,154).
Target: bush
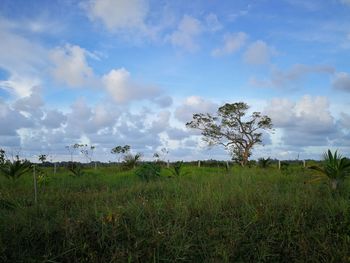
(130,160)
(177,171)
(264,163)
(148,171)
(75,169)
(14,170)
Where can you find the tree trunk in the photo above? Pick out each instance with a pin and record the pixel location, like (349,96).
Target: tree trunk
(245,157)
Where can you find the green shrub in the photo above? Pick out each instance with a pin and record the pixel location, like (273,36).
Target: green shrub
(130,160)
(336,168)
(177,171)
(264,163)
(75,169)
(148,171)
(14,170)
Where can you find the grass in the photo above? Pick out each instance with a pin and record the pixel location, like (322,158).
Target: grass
(207,215)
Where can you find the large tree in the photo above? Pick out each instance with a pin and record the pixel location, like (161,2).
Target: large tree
(231,128)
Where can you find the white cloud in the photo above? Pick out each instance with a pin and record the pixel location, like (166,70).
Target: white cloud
(306,122)
(18,55)
(232,43)
(103,116)
(281,112)
(20,86)
(122,89)
(212,23)
(288,78)
(345,120)
(54,119)
(12,120)
(161,123)
(258,53)
(31,105)
(194,104)
(118,14)
(341,81)
(70,66)
(177,134)
(185,35)
(163,102)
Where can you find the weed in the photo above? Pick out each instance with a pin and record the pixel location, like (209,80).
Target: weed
(148,171)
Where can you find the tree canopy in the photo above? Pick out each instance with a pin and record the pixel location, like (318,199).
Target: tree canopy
(231,128)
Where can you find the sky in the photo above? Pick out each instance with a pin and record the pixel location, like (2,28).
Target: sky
(117,72)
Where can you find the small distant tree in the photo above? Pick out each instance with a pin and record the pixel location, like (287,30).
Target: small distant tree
(42,158)
(72,149)
(120,151)
(87,151)
(2,156)
(232,129)
(264,163)
(160,156)
(131,160)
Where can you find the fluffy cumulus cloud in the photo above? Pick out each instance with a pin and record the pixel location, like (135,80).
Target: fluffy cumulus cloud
(163,102)
(123,89)
(345,120)
(258,53)
(307,122)
(290,77)
(70,66)
(118,14)
(12,120)
(186,33)
(53,119)
(20,86)
(232,43)
(191,105)
(341,81)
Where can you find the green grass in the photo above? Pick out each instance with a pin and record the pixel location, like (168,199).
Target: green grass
(247,215)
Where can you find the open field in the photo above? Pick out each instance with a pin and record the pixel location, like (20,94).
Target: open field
(206,215)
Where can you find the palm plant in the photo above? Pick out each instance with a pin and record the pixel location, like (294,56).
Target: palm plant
(177,169)
(148,171)
(14,170)
(76,170)
(264,163)
(336,168)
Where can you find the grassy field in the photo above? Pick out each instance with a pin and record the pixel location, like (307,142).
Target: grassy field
(207,215)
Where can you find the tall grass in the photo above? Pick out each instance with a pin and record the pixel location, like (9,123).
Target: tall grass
(208,215)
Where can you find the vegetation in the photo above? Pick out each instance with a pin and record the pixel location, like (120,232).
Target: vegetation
(15,169)
(75,169)
(2,156)
(131,160)
(229,128)
(177,168)
(264,163)
(256,215)
(120,150)
(336,168)
(42,158)
(148,171)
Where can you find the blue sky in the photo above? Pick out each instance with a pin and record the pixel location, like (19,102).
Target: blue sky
(115,72)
